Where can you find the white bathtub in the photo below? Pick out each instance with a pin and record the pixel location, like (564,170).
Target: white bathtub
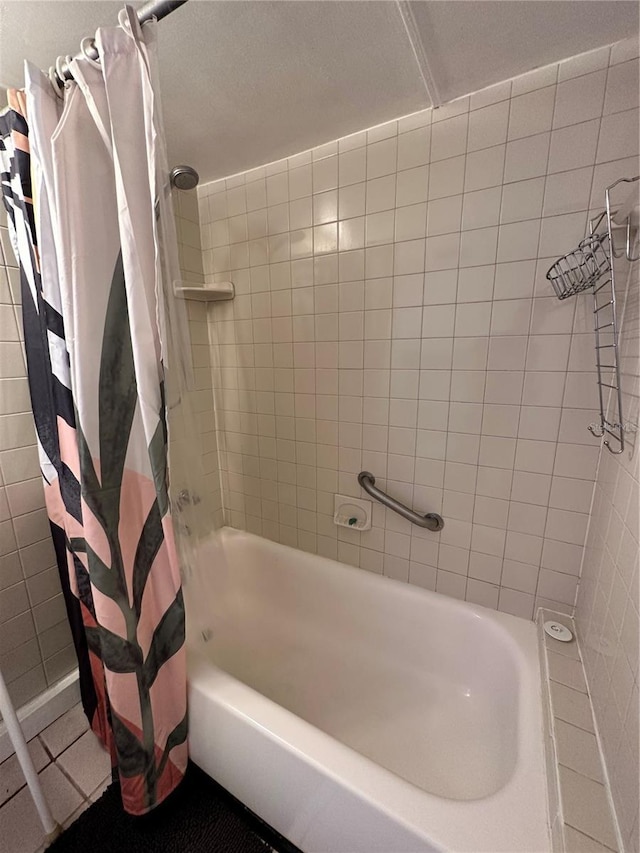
(356,713)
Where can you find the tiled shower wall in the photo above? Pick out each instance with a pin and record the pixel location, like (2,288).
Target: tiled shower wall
(392,315)
(35,640)
(607,609)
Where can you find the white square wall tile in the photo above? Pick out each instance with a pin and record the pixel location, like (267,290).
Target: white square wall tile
(567,191)
(526,158)
(478,247)
(324,175)
(539,78)
(380,194)
(351,201)
(518,241)
(534,456)
(583,63)
(442,252)
(482,593)
(488,126)
(409,257)
(516,603)
(574,146)
(622,87)
(511,317)
(414,148)
(382,158)
(522,200)
(352,167)
(485,567)
(410,222)
(531,113)
(449,137)
(490,95)
(514,279)
(618,136)
(557,586)
(443,215)
(481,208)
(472,319)
(451,584)
(558,232)
(411,186)
(519,576)
(539,422)
(484,168)
(579,99)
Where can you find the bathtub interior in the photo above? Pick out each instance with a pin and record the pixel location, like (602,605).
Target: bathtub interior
(427,690)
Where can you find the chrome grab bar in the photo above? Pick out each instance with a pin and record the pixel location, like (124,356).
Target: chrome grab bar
(432,521)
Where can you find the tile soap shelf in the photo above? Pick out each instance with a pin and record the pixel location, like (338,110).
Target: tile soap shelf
(591,266)
(221,291)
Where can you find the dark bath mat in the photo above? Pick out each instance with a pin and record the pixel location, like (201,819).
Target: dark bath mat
(200,817)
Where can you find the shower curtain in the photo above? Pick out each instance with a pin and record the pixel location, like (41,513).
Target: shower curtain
(81,184)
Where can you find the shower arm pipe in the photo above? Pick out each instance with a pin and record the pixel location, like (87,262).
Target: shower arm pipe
(157,9)
(432,521)
(18,742)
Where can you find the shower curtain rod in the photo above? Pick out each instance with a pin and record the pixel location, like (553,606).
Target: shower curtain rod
(158,9)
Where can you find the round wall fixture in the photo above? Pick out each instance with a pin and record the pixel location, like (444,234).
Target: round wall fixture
(558,631)
(184,178)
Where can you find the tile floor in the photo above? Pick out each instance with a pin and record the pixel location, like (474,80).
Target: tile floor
(74,770)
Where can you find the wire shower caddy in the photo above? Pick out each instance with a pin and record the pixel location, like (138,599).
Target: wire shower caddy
(591,266)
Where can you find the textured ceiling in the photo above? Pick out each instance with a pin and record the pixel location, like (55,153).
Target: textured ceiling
(248,81)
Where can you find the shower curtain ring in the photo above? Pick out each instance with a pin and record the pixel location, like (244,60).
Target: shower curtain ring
(59,69)
(56,84)
(89,44)
(123,19)
(129,22)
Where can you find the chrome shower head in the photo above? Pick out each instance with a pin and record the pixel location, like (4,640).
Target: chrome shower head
(184,178)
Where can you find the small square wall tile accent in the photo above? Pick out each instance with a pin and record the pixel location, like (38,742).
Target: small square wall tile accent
(578,795)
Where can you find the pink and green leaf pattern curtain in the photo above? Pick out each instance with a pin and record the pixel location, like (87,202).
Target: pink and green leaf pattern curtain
(80,184)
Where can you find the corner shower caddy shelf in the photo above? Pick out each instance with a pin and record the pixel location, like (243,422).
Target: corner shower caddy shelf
(221,291)
(591,265)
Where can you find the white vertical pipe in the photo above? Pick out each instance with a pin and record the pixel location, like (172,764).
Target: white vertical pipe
(22,751)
